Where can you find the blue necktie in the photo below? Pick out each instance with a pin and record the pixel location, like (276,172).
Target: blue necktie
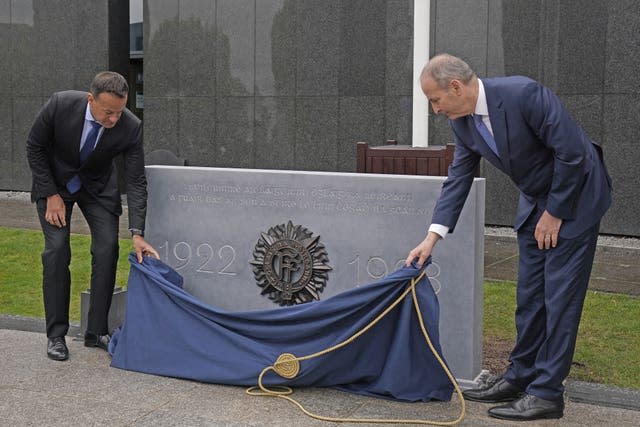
(486,135)
(89,144)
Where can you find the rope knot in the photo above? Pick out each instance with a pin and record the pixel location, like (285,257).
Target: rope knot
(287,366)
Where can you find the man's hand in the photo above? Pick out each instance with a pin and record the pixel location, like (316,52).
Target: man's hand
(143,248)
(56,212)
(547,231)
(423,250)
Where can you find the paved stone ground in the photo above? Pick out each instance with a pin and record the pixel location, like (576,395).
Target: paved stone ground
(86,391)
(616,267)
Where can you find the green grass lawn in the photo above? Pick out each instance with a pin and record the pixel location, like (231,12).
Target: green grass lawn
(607,351)
(608,346)
(21,271)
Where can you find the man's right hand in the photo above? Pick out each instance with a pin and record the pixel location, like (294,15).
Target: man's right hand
(56,212)
(423,250)
(142,247)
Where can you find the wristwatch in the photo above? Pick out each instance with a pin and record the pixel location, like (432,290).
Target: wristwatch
(136,232)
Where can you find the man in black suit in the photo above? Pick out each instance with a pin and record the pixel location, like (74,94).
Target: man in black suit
(71,150)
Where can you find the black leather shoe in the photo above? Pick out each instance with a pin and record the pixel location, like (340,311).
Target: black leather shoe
(529,407)
(57,349)
(100,341)
(500,391)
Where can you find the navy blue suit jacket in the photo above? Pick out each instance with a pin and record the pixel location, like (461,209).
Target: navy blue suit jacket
(541,148)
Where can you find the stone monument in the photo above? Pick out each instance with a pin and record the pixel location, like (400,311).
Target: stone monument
(247,239)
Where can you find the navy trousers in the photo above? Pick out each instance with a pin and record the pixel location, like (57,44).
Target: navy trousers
(56,258)
(551,288)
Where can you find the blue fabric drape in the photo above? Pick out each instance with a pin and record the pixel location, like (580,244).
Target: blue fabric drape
(169,332)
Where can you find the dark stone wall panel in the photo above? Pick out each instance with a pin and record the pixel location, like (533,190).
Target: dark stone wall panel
(398,119)
(318,47)
(197,130)
(197,48)
(47,46)
(399,48)
(622,46)
(275,132)
(501,198)
(362,48)
(161,124)
(161,48)
(586,51)
(361,119)
(620,145)
(514,38)
(5,48)
(461,30)
(293,84)
(316,133)
(587,111)
(6,148)
(24,112)
(275,41)
(234,142)
(581,46)
(235,47)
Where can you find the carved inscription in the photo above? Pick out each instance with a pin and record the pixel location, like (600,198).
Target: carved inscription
(205,259)
(288,269)
(327,200)
(377,267)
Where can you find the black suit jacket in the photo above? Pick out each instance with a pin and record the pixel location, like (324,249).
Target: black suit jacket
(53,151)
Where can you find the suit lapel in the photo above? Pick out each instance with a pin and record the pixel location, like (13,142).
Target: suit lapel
(498,126)
(76,124)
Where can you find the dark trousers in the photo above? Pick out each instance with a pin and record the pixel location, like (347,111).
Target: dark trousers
(552,285)
(56,257)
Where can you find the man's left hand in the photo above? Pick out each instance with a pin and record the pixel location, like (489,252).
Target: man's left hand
(547,231)
(143,248)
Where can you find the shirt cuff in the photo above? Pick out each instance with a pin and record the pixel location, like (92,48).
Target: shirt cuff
(440,230)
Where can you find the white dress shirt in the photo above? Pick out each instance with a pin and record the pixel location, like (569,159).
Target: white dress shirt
(481,110)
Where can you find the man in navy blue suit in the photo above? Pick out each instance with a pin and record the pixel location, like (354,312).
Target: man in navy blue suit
(521,127)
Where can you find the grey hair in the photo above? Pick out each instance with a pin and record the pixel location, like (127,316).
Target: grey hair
(443,68)
(109,82)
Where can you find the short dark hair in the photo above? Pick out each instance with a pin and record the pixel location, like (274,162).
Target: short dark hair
(110,82)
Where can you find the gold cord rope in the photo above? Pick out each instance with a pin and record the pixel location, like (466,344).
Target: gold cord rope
(287,365)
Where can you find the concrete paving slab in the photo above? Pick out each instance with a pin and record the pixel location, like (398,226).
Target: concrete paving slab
(616,266)
(86,391)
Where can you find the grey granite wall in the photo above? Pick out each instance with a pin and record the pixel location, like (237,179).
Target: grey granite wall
(293,84)
(587,51)
(47,46)
(276,84)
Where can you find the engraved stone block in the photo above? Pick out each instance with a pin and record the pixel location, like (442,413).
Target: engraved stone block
(248,239)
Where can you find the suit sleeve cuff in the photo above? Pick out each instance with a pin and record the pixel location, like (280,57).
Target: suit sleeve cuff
(136,232)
